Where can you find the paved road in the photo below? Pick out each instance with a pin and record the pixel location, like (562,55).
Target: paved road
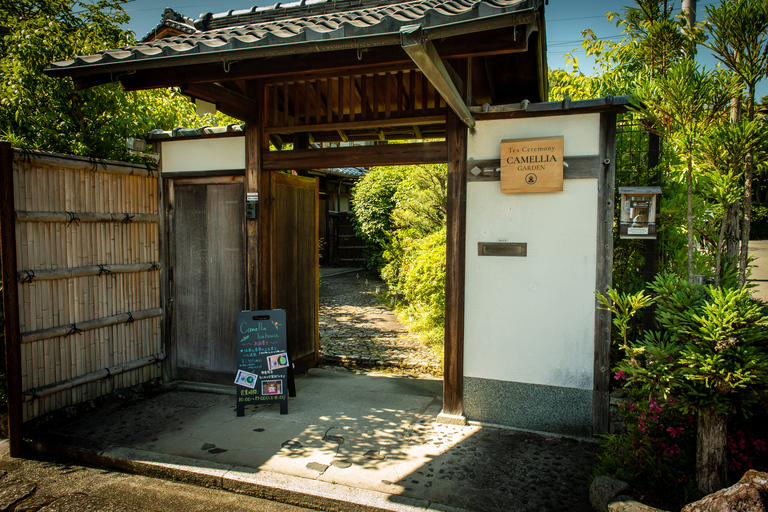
(50,486)
(759,249)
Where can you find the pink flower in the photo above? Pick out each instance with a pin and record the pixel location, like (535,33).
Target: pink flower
(673,432)
(633,407)
(759,444)
(671,451)
(619,375)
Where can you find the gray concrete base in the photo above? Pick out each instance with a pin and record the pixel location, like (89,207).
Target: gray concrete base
(555,409)
(451,419)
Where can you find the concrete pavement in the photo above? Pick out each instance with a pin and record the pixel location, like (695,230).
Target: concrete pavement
(350,441)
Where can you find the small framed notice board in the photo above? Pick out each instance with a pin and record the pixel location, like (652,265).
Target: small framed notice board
(263,367)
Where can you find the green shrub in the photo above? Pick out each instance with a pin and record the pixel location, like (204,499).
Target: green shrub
(373,201)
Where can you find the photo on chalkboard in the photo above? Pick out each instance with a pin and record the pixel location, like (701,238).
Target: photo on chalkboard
(277,361)
(272,387)
(246,379)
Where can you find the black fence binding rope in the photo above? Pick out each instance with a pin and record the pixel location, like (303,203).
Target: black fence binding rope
(73,218)
(30,275)
(73,330)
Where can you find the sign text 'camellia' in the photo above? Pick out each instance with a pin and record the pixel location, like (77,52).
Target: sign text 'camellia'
(532,165)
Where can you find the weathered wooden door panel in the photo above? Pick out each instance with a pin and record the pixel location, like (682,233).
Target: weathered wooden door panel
(294,251)
(208,281)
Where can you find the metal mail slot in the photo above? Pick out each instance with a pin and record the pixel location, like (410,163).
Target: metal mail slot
(502,249)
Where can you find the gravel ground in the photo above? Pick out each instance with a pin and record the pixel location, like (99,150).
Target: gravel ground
(357,330)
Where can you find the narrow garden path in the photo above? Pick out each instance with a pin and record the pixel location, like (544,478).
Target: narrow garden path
(356,330)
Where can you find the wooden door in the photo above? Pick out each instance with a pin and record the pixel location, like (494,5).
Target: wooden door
(207,284)
(294,256)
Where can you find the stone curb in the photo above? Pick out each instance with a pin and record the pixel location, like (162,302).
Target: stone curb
(270,485)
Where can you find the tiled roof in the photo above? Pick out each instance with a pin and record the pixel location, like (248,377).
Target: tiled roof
(304,25)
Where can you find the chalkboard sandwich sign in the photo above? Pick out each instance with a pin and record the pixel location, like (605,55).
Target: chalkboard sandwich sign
(262,359)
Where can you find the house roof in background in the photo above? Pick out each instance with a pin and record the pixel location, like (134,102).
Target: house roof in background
(301,27)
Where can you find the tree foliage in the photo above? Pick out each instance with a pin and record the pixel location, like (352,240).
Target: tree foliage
(40,112)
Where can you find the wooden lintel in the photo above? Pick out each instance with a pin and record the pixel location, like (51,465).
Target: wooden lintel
(352,125)
(226,100)
(355,156)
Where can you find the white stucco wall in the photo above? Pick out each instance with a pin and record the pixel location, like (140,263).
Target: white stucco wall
(531,319)
(214,154)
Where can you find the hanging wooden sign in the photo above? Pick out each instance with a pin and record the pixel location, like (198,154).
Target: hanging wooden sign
(532,165)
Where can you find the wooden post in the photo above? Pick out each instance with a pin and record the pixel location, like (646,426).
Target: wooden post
(453,385)
(605,195)
(254,142)
(10,300)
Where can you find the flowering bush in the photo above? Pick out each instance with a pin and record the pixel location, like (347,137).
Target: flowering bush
(656,452)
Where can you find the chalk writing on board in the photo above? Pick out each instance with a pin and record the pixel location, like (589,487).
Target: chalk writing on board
(262,357)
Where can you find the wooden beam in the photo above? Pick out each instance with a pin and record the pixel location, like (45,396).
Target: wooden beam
(254,144)
(355,156)
(352,125)
(453,371)
(227,101)
(313,65)
(604,255)
(10,300)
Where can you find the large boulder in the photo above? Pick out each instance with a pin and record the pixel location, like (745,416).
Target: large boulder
(603,490)
(628,504)
(750,494)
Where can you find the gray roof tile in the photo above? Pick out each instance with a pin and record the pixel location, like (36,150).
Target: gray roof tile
(299,22)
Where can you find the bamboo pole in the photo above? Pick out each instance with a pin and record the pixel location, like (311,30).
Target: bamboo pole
(50,389)
(55,160)
(77,217)
(92,270)
(65,330)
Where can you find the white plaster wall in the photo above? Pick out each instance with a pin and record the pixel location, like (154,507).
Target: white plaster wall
(531,319)
(216,154)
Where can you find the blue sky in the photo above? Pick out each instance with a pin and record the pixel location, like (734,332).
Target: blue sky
(565,21)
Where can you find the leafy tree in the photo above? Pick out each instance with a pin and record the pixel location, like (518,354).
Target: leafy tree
(373,200)
(40,112)
(681,105)
(739,39)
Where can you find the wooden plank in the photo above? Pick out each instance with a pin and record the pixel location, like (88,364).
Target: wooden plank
(254,137)
(295,264)
(453,371)
(355,156)
(604,256)
(351,125)
(579,167)
(10,301)
(226,100)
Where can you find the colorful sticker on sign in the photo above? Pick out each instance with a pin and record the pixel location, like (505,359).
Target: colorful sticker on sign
(246,379)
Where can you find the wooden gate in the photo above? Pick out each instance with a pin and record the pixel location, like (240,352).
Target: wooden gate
(294,256)
(207,286)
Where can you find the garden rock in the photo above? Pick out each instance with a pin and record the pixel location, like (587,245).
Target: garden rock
(628,504)
(750,494)
(603,490)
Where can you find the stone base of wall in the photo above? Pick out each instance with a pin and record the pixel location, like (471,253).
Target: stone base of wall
(559,410)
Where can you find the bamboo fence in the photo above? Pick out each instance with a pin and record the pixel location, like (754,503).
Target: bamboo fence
(87,260)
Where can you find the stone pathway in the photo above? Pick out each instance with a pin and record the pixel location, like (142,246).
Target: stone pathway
(357,331)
